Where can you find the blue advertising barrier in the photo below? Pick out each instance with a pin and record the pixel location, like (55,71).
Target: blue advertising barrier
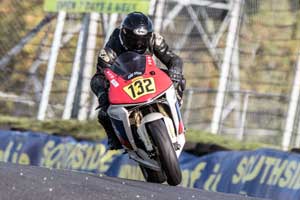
(263,173)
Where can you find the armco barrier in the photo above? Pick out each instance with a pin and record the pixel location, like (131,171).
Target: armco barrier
(262,173)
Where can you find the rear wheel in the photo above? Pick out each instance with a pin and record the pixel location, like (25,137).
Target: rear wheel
(166,153)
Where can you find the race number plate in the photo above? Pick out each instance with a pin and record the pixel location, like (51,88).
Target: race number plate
(140,87)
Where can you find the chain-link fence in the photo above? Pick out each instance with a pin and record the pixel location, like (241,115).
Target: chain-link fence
(259,82)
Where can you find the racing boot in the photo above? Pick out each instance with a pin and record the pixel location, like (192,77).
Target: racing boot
(112,139)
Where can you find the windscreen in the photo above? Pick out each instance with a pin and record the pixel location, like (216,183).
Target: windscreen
(129,65)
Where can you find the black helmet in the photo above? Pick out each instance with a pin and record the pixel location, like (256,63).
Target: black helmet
(136,31)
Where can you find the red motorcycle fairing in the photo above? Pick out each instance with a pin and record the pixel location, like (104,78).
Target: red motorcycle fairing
(139,89)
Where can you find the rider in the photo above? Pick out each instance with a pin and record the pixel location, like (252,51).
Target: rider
(135,34)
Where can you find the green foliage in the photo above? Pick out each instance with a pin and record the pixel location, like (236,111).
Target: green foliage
(230,143)
(270,38)
(16,19)
(89,130)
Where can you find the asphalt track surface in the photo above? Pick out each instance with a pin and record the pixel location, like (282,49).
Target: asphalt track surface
(19,182)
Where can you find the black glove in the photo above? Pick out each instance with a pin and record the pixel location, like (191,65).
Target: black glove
(179,83)
(103,101)
(180,87)
(175,75)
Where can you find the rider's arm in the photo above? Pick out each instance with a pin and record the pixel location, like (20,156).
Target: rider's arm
(172,61)
(99,83)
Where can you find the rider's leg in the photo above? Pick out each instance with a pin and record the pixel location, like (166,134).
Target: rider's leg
(113,141)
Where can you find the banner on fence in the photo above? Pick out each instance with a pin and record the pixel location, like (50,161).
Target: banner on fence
(262,173)
(100,6)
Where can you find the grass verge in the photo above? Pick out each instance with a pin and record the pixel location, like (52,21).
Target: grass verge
(91,130)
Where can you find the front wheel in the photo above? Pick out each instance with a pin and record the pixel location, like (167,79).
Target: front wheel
(166,153)
(153,176)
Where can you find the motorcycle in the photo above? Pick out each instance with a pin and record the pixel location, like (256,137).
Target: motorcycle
(146,117)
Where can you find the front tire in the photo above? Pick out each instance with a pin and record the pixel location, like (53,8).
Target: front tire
(166,153)
(153,176)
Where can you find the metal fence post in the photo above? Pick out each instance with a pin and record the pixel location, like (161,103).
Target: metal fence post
(289,126)
(88,67)
(75,69)
(159,15)
(236,83)
(297,142)
(51,65)
(243,120)
(225,69)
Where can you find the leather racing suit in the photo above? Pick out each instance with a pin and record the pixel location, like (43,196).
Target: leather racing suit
(107,56)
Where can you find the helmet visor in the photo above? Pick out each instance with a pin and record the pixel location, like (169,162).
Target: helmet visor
(136,42)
